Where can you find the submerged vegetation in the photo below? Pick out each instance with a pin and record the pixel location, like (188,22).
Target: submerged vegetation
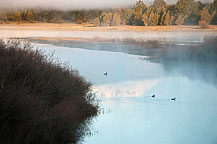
(184,12)
(42,101)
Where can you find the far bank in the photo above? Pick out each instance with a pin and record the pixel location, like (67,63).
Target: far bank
(91,27)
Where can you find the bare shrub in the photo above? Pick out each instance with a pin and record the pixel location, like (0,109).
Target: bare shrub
(41,100)
(79,21)
(143,43)
(203,24)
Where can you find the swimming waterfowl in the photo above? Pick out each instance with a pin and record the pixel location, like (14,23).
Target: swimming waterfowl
(105,73)
(153,96)
(173,99)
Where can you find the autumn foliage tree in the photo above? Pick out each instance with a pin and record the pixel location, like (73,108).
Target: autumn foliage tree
(184,12)
(205,18)
(180,20)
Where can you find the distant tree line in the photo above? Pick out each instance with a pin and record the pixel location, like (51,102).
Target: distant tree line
(184,12)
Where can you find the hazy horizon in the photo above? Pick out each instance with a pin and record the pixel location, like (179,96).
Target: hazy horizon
(74,4)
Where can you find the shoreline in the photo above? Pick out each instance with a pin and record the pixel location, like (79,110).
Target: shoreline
(90,27)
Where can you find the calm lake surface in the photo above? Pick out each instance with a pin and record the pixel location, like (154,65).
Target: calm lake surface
(130,115)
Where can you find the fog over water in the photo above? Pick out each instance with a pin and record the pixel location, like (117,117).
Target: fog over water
(74,4)
(131,114)
(14,31)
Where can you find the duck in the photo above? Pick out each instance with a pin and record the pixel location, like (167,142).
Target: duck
(153,96)
(105,73)
(174,99)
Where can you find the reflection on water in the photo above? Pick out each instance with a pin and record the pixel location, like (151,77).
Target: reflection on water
(135,117)
(125,89)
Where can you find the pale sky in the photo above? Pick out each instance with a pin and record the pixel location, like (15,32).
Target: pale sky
(73,4)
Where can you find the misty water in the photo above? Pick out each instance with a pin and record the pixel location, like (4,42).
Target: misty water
(130,115)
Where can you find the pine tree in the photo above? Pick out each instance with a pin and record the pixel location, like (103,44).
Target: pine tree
(124,15)
(162,19)
(180,20)
(96,22)
(10,16)
(153,18)
(145,19)
(172,18)
(17,15)
(130,17)
(167,20)
(205,16)
(107,19)
(139,9)
(159,4)
(36,16)
(138,14)
(140,4)
(30,17)
(101,17)
(214,13)
(150,18)
(116,20)
(4,16)
(184,7)
(24,14)
(194,16)
(215,5)
(156,18)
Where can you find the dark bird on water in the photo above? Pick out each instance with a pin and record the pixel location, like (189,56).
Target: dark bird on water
(153,96)
(105,73)
(174,99)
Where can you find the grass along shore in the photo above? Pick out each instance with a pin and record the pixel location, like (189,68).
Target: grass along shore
(90,27)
